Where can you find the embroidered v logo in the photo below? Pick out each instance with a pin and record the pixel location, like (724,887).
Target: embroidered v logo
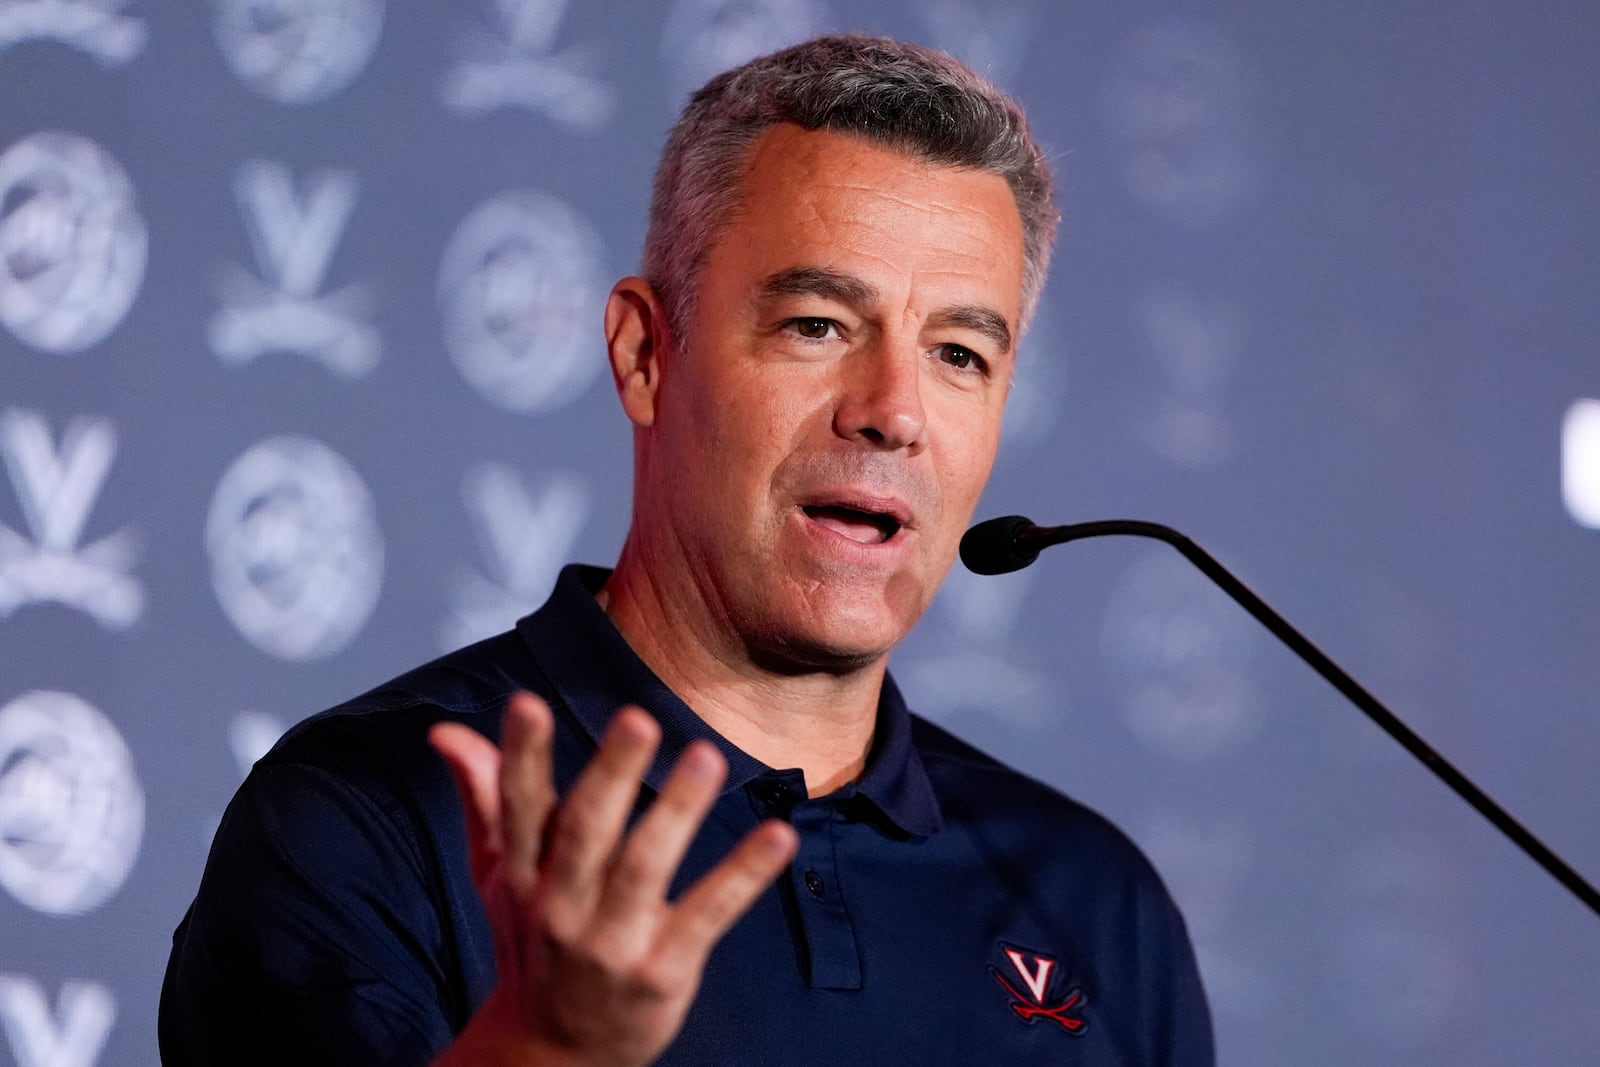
(1036,980)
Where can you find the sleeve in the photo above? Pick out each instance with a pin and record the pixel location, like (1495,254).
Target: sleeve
(1178,1019)
(314,938)
(1146,961)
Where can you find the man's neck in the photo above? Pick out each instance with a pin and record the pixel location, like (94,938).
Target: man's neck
(820,721)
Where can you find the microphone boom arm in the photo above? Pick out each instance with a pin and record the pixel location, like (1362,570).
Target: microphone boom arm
(1028,539)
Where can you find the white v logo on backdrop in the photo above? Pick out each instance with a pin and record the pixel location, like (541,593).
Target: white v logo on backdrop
(526,537)
(294,235)
(71,1036)
(57,489)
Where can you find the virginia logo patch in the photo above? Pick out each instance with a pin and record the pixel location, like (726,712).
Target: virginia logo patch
(1027,979)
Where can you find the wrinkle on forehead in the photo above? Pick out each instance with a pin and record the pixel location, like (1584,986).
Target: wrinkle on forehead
(941,244)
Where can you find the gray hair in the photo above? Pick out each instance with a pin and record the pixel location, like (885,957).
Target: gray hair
(914,99)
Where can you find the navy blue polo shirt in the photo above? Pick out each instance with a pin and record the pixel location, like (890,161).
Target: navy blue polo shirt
(943,909)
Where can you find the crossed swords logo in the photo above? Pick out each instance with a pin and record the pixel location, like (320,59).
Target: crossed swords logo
(1030,1006)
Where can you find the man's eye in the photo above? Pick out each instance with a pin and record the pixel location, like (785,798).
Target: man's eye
(813,329)
(960,358)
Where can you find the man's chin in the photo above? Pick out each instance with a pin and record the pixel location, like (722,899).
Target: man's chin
(818,622)
(797,657)
(845,645)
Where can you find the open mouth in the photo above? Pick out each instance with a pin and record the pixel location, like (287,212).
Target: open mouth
(863,527)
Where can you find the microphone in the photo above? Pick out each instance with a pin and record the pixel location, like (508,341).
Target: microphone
(999,546)
(1011,542)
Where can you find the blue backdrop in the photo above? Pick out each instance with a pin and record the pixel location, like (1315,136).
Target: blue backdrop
(301,383)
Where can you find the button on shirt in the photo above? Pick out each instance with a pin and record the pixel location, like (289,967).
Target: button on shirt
(942,909)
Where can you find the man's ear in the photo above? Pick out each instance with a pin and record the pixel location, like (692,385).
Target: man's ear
(638,341)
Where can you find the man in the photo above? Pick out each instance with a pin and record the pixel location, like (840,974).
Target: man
(762,857)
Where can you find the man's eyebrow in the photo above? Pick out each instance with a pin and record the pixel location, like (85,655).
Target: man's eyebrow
(857,292)
(818,281)
(986,321)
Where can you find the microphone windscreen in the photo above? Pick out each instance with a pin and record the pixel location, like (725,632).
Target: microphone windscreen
(992,546)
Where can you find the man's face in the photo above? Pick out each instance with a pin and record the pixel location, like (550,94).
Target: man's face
(822,434)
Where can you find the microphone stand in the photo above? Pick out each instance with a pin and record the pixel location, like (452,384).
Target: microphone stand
(1024,541)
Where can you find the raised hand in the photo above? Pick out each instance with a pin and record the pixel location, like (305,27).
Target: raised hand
(595,965)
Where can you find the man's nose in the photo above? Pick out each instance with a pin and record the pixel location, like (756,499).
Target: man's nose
(881,397)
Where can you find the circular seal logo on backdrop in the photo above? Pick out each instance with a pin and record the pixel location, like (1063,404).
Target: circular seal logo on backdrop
(72,244)
(296,557)
(521,292)
(1181,648)
(71,810)
(297,51)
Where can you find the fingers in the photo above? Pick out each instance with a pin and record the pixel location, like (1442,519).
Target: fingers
(570,852)
(714,903)
(656,846)
(507,792)
(474,763)
(526,793)
(593,814)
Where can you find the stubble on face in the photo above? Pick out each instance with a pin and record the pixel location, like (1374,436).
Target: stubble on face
(775,455)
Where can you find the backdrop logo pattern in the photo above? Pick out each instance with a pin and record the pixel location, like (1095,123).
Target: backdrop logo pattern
(526,538)
(297,51)
(521,286)
(973,667)
(294,237)
(1390,898)
(296,556)
(516,64)
(251,735)
(57,489)
(1178,109)
(990,36)
(96,27)
(1212,864)
(1038,387)
(71,810)
(71,1036)
(1196,344)
(1181,648)
(703,38)
(72,242)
